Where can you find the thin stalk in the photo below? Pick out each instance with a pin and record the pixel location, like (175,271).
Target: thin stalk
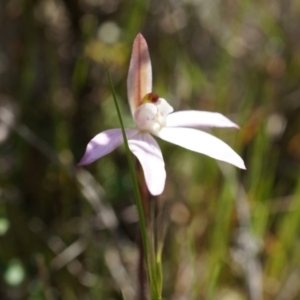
(139,203)
(145,201)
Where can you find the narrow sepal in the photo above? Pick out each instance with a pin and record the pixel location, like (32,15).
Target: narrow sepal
(104,143)
(146,149)
(194,118)
(201,142)
(139,80)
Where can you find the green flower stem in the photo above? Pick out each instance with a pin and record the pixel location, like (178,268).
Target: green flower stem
(142,221)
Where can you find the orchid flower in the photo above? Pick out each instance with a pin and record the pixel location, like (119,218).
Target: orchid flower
(154,116)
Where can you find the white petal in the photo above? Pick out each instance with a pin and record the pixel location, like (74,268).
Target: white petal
(146,149)
(194,118)
(164,107)
(139,80)
(201,142)
(104,143)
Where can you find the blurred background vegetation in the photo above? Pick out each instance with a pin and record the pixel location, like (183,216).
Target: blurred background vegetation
(70,233)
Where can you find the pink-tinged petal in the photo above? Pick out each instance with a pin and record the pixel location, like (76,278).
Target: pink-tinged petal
(139,80)
(146,149)
(194,118)
(104,143)
(201,142)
